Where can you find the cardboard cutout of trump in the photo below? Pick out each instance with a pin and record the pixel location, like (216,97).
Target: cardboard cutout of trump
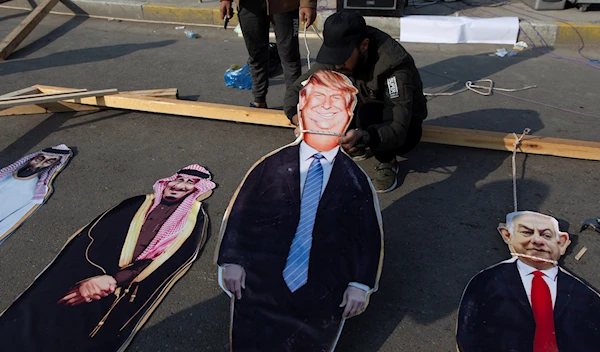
(528,303)
(26,184)
(301,244)
(110,275)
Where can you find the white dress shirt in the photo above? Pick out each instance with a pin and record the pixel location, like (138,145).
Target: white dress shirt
(550,277)
(306,158)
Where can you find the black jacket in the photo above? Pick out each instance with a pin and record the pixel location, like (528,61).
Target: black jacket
(387,62)
(496,316)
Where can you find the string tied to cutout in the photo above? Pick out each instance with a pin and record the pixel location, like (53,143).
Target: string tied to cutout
(306,42)
(516,145)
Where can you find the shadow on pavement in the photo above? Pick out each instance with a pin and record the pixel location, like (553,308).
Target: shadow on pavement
(77,56)
(47,39)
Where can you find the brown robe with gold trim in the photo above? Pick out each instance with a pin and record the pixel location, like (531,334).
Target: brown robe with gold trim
(35,322)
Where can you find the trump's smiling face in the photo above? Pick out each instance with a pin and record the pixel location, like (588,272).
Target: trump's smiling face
(325,110)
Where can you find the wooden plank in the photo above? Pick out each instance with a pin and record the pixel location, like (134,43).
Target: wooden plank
(172,93)
(189,108)
(51,99)
(19,92)
(433,134)
(504,141)
(14,38)
(41,95)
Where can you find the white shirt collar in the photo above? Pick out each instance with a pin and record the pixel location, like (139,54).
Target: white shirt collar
(527,270)
(306,152)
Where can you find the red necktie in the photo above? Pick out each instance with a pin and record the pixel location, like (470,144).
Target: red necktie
(541,303)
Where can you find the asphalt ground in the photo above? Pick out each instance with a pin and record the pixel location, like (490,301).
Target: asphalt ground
(439,225)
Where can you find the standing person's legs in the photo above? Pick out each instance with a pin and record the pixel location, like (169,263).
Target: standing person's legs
(254,22)
(286,26)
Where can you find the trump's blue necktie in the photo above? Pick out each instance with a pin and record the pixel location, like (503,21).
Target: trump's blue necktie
(295,273)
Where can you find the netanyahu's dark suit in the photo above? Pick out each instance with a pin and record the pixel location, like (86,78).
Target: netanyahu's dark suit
(495,314)
(346,247)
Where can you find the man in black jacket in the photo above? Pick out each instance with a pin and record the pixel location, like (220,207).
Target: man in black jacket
(391,105)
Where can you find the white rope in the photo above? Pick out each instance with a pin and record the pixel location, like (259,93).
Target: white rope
(326,133)
(514,163)
(306,42)
(534,258)
(482,90)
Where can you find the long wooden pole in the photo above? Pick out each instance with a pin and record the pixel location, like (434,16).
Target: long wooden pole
(432,134)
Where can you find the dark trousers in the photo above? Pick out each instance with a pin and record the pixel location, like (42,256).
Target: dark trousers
(373,114)
(255,22)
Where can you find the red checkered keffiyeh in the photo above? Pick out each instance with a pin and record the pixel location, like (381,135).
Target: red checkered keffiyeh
(175,223)
(45,176)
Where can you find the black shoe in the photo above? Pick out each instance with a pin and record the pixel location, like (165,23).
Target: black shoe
(253,105)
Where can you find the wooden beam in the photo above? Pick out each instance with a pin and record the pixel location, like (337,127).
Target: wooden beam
(27,90)
(504,141)
(14,38)
(171,93)
(41,95)
(189,108)
(432,134)
(55,98)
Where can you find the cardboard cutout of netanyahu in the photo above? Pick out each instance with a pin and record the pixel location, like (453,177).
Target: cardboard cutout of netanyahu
(529,303)
(26,184)
(111,275)
(301,243)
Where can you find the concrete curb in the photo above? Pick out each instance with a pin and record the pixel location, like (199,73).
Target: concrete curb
(553,33)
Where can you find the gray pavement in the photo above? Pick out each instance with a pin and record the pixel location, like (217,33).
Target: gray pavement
(439,225)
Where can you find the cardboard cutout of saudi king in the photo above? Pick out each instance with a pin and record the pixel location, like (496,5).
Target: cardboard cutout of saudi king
(301,243)
(26,184)
(110,275)
(529,303)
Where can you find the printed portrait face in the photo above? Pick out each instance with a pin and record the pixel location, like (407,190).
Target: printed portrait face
(536,235)
(179,188)
(326,104)
(37,164)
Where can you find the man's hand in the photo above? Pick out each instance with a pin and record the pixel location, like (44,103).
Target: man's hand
(90,290)
(307,16)
(235,279)
(354,301)
(349,141)
(226,9)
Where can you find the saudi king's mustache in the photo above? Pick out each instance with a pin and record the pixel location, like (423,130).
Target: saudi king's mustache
(29,170)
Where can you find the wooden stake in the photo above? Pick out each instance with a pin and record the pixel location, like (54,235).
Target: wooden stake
(55,98)
(14,38)
(581,253)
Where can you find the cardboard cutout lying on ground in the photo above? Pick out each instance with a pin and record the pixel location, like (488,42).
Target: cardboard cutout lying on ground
(112,274)
(528,303)
(26,184)
(302,242)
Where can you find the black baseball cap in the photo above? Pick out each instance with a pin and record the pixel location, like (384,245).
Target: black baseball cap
(342,32)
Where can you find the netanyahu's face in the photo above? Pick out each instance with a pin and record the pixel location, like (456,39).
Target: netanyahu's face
(535,235)
(179,188)
(325,109)
(37,164)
